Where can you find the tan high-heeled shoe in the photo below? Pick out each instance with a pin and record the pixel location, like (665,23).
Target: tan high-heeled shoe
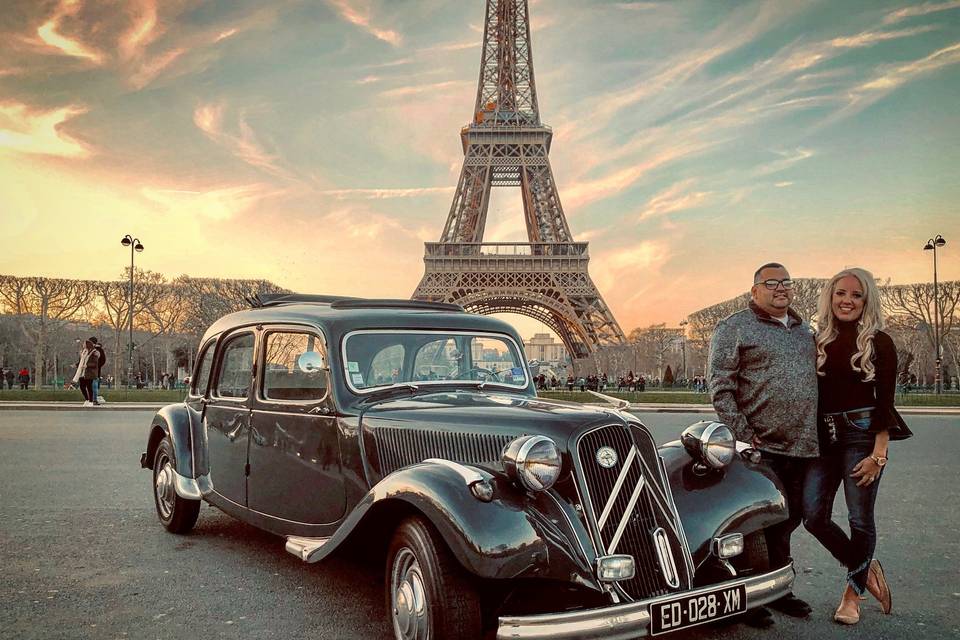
(878,587)
(849,610)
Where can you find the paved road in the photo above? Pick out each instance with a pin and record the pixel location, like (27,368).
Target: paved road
(83,556)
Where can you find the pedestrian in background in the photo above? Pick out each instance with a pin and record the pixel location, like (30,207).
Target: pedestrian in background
(763,379)
(23,377)
(101,360)
(8,377)
(86,372)
(857,370)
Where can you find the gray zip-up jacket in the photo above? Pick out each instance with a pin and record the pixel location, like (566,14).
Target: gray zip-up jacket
(763,381)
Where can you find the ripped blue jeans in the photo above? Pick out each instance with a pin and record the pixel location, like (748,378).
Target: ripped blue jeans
(826,473)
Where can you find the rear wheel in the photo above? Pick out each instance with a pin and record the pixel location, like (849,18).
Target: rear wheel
(428,593)
(177,514)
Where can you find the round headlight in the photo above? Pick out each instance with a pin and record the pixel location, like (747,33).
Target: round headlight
(711,443)
(533,462)
(719,445)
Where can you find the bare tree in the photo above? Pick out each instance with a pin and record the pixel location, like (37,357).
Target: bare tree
(42,307)
(655,341)
(916,301)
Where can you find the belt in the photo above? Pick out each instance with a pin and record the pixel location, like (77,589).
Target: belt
(844,417)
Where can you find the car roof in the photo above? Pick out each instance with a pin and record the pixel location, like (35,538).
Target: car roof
(378,315)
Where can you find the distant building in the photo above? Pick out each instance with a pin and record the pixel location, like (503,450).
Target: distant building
(543,348)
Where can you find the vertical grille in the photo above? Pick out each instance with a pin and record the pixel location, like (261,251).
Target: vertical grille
(398,447)
(645,518)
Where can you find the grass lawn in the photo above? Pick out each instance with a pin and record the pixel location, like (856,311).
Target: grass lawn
(110,395)
(689,397)
(647,397)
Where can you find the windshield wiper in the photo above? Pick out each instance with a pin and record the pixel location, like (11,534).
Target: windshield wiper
(395,385)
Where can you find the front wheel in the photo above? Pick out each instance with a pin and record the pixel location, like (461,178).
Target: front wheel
(177,514)
(429,595)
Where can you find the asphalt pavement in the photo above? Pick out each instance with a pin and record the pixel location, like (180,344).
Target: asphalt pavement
(83,555)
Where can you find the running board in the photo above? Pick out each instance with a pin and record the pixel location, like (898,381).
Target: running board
(303,548)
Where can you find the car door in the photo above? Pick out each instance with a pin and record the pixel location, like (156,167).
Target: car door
(227,416)
(294,454)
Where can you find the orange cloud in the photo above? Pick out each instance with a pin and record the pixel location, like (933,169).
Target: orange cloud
(362,19)
(26,131)
(49,33)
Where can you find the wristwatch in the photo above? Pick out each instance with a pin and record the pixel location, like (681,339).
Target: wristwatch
(880,460)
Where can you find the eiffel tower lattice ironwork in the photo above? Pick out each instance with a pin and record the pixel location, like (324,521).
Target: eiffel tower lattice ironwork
(506,145)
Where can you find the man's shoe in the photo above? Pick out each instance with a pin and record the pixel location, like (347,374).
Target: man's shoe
(878,587)
(87,403)
(791,605)
(758,618)
(849,610)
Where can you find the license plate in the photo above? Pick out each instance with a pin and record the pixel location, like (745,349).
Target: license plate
(689,611)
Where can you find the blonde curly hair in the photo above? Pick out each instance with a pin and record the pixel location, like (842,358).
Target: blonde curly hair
(870,322)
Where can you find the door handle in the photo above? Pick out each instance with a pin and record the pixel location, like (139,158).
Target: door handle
(319,411)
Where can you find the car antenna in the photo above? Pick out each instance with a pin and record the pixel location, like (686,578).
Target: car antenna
(618,403)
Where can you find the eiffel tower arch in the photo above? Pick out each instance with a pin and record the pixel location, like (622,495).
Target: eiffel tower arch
(507,145)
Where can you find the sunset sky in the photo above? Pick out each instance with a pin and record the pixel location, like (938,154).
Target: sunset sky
(316,144)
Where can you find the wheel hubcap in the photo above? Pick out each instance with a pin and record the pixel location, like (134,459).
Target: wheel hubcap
(409,599)
(163,487)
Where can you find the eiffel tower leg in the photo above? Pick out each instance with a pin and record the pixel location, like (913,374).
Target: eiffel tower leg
(468,213)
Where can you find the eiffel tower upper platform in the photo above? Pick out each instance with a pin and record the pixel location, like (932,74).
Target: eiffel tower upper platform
(506,145)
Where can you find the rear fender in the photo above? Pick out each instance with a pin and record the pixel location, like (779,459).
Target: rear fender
(516,535)
(741,498)
(185,431)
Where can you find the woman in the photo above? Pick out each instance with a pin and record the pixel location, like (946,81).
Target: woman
(86,372)
(857,368)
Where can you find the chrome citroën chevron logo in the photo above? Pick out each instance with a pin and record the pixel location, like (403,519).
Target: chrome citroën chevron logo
(606,457)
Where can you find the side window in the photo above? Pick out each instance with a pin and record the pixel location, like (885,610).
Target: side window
(294,367)
(387,365)
(202,377)
(236,367)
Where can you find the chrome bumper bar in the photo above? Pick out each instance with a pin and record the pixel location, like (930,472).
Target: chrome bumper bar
(632,620)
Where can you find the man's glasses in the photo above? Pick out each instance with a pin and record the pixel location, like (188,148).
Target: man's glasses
(773,284)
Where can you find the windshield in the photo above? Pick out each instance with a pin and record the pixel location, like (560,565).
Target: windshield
(375,359)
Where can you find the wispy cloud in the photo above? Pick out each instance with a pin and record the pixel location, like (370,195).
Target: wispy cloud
(143,30)
(920,10)
(676,197)
(362,18)
(384,194)
(39,132)
(49,33)
(898,75)
(418,89)
(242,141)
(787,159)
(869,38)
(219,204)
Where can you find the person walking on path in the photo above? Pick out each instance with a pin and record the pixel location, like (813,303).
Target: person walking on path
(763,381)
(86,372)
(23,377)
(8,376)
(857,370)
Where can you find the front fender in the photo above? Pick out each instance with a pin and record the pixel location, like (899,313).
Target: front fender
(741,498)
(516,535)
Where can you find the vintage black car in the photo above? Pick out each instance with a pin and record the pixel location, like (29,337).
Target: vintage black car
(414,430)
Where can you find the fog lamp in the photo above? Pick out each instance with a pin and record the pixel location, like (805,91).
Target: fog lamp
(728,546)
(616,567)
(482,490)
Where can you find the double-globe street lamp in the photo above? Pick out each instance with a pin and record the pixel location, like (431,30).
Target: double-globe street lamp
(135,246)
(932,245)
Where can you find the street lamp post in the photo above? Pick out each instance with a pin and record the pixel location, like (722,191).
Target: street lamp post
(932,245)
(683,347)
(135,246)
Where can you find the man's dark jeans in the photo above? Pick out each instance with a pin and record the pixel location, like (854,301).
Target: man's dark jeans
(792,472)
(826,473)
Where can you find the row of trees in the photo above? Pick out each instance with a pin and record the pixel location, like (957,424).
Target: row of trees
(41,313)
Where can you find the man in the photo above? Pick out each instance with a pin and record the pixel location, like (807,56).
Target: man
(101,360)
(763,382)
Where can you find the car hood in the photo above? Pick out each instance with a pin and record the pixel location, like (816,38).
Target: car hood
(488,412)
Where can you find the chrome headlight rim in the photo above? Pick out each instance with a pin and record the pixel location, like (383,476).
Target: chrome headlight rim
(516,457)
(709,445)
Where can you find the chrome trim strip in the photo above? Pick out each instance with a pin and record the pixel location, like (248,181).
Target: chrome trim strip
(633,619)
(469,474)
(424,383)
(607,508)
(665,555)
(186,488)
(687,556)
(615,540)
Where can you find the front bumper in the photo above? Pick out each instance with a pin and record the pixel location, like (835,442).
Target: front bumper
(632,620)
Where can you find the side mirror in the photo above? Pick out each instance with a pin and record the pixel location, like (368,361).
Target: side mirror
(311,362)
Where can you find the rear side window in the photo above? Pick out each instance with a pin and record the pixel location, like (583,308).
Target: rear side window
(202,379)
(293,367)
(236,367)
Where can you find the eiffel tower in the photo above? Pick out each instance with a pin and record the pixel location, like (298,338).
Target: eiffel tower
(506,145)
